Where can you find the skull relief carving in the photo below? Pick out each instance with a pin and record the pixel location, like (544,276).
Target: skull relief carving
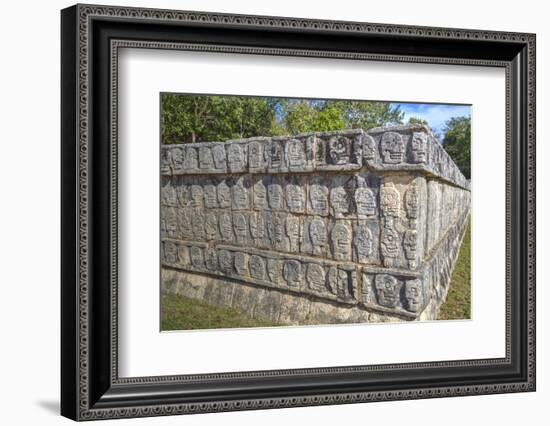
(393,148)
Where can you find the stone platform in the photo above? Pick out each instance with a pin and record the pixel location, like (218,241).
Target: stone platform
(332,227)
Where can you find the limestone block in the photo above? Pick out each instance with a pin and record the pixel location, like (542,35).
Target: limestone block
(331,227)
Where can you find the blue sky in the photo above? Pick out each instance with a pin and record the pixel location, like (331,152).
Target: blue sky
(435,114)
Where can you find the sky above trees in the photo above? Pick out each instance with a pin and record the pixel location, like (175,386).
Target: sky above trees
(436,115)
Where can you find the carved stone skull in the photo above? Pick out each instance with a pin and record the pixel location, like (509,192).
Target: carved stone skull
(393,148)
(235,157)
(292,271)
(191,158)
(339,150)
(414,296)
(177,159)
(257,267)
(419,147)
(387,290)
(315,276)
(341,242)
(218,152)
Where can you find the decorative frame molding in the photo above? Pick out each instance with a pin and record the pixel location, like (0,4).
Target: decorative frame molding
(91,37)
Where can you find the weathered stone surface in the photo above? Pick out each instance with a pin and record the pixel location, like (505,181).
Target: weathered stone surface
(317,228)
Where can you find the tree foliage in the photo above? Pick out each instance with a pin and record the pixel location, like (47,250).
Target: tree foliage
(190,118)
(213,118)
(457,142)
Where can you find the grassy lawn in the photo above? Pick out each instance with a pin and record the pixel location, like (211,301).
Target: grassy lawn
(182,313)
(457,305)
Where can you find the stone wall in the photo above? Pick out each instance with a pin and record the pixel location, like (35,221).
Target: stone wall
(344,226)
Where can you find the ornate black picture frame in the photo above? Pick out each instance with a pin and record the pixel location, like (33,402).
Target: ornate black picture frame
(90,38)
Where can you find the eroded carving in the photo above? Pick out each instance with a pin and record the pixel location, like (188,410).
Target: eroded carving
(211,259)
(206,159)
(275,194)
(339,150)
(171,222)
(259,195)
(315,277)
(170,252)
(184,260)
(293,233)
(166,162)
(197,257)
(419,147)
(183,193)
(178,159)
(210,195)
(292,273)
(226,226)
(276,156)
(412,201)
(241,263)
(257,267)
(295,196)
(369,147)
(224,194)
(393,148)
(387,290)
(218,154)
(240,226)
(362,242)
(256,161)
(168,195)
(225,259)
(318,198)
(184,223)
(239,192)
(414,295)
(365,202)
(235,157)
(341,241)
(274,270)
(276,231)
(197,196)
(198,222)
(315,236)
(296,154)
(340,282)
(390,200)
(410,244)
(389,245)
(340,202)
(191,160)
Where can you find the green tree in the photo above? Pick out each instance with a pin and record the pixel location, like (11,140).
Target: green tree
(212,118)
(416,120)
(190,118)
(366,115)
(456,141)
(298,117)
(312,116)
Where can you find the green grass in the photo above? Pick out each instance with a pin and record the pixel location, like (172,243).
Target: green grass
(182,313)
(457,305)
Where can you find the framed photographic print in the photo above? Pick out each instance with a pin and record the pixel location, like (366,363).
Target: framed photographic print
(263,212)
